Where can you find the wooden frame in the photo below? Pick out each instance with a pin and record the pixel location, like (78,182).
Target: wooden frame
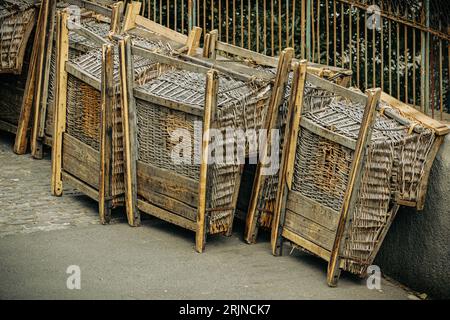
(321,219)
(214,48)
(161,203)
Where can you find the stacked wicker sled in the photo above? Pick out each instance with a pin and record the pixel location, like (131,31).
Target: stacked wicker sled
(135,110)
(350,161)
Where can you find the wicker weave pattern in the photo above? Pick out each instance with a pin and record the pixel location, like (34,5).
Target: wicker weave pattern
(16,19)
(155,126)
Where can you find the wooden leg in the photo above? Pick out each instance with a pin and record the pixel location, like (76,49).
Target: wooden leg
(212,85)
(60,103)
(107,94)
(129,131)
(36,146)
(21,142)
(288,156)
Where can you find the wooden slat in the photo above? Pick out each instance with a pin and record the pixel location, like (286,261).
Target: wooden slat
(80,160)
(288,156)
(312,210)
(91,6)
(75,71)
(146,193)
(212,85)
(21,141)
(193,41)
(116,14)
(129,123)
(411,113)
(8,127)
(142,94)
(309,229)
(59,116)
(80,186)
(36,147)
(157,28)
(131,14)
(354,96)
(107,96)
(306,244)
(328,134)
(178,63)
(284,66)
(168,183)
(166,215)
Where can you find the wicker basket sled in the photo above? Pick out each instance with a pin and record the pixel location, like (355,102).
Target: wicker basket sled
(17,20)
(88,150)
(258,192)
(192,98)
(88,146)
(345,170)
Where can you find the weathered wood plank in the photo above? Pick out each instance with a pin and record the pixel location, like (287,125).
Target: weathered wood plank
(212,86)
(131,13)
(193,41)
(129,123)
(142,94)
(354,96)
(107,96)
(309,230)
(81,161)
(73,70)
(80,186)
(412,113)
(59,126)
(328,134)
(306,244)
(8,127)
(271,119)
(80,150)
(312,210)
(166,215)
(146,193)
(167,183)
(21,141)
(157,28)
(36,147)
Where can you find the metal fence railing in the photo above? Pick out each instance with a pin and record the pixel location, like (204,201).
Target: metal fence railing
(402,49)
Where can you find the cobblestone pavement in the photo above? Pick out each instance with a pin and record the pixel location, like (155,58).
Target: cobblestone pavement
(26,204)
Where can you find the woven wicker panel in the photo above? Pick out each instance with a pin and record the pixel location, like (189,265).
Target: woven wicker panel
(155,125)
(16,21)
(73,53)
(12,88)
